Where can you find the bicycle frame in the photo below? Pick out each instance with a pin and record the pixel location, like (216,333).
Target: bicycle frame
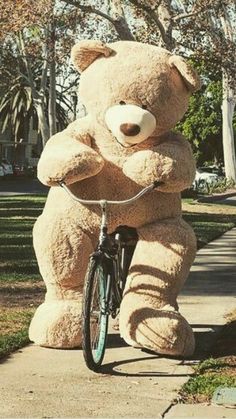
(105,279)
(104,248)
(110,251)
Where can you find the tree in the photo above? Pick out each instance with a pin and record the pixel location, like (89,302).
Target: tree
(202,124)
(17,107)
(229,100)
(202,29)
(33,32)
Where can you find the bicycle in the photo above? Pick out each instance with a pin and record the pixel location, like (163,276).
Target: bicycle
(105,278)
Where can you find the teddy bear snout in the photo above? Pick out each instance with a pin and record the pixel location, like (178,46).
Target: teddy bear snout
(130,130)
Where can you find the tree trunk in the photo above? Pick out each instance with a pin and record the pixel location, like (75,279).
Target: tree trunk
(165,18)
(52,85)
(119,20)
(228,105)
(43,125)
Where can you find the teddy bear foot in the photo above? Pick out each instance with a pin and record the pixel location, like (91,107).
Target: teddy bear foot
(57,324)
(162,332)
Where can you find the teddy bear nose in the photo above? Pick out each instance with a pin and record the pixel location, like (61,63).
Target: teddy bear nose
(130,129)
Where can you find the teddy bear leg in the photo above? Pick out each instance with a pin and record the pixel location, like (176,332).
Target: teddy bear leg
(149,314)
(62,249)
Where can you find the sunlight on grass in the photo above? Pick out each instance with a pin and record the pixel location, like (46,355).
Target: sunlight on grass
(14,325)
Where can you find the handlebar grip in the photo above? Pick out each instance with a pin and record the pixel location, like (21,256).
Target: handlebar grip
(157,183)
(61,183)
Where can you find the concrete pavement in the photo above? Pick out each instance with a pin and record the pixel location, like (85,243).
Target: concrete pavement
(47,383)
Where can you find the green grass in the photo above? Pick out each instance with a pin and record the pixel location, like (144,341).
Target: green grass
(203,386)
(14,326)
(210,374)
(209,224)
(17,257)
(209,364)
(17,265)
(10,343)
(206,231)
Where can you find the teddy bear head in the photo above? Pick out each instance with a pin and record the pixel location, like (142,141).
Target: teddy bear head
(134,90)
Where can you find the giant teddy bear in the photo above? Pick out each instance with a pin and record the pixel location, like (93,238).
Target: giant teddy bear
(134,95)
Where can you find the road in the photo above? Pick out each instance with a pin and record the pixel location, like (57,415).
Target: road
(22,186)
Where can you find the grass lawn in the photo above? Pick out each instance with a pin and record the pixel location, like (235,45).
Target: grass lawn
(209,221)
(209,374)
(216,371)
(22,288)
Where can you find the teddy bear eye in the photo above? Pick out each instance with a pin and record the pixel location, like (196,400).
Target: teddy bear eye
(122,102)
(144,106)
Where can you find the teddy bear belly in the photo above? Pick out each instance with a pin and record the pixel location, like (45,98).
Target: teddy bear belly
(150,208)
(146,210)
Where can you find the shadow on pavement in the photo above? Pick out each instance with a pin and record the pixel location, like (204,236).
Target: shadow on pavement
(113,368)
(206,337)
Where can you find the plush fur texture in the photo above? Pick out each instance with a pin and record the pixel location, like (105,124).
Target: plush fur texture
(97,163)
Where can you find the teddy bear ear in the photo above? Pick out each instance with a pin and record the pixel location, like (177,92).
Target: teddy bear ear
(190,76)
(85,52)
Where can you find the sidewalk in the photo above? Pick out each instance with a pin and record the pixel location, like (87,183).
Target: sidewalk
(47,383)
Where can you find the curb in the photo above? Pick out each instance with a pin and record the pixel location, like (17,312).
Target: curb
(214,198)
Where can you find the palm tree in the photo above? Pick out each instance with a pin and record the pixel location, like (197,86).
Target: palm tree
(17,108)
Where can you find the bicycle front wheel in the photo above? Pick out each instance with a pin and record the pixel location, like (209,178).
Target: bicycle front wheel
(95,314)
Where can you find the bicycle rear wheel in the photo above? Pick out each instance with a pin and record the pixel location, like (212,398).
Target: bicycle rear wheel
(95,314)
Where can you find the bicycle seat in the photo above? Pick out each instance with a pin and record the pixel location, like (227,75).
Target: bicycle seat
(129,236)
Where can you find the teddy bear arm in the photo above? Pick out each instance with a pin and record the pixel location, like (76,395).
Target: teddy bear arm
(170,162)
(68,156)
(178,168)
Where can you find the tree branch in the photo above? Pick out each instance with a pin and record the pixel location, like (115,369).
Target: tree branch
(118,21)
(196,12)
(150,12)
(90,9)
(184,16)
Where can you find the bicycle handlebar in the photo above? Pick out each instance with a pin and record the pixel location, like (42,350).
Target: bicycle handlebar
(149,188)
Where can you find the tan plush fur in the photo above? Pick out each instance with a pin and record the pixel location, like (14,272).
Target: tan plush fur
(89,159)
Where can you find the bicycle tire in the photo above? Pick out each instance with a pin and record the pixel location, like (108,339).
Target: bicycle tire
(95,315)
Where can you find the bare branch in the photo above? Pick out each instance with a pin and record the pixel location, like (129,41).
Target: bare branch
(196,11)
(90,9)
(151,13)
(118,21)
(184,16)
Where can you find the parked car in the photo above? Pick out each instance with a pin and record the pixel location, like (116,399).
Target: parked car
(27,171)
(7,167)
(218,170)
(19,170)
(1,172)
(205,177)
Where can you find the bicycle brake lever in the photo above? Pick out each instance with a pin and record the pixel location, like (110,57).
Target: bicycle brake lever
(157,183)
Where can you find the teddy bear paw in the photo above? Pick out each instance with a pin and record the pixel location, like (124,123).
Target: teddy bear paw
(57,324)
